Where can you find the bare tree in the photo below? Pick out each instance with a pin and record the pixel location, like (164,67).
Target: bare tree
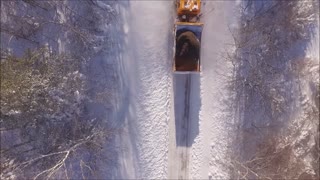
(47,128)
(58,20)
(44,124)
(268,122)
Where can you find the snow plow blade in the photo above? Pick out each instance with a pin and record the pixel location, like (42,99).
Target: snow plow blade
(190,33)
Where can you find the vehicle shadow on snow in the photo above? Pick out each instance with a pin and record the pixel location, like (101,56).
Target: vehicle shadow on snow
(187,104)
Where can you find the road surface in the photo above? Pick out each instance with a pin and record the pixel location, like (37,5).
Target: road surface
(184,122)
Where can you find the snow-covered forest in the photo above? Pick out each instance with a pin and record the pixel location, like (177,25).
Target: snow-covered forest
(56,90)
(276,80)
(88,91)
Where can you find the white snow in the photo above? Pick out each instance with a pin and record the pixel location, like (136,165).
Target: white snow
(154,96)
(143,46)
(313,48)
(210,147)
(147,67)
(147,74)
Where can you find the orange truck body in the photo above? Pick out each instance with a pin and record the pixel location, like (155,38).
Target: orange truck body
(188,8)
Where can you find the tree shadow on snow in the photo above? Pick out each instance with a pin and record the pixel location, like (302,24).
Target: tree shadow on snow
(109,65)
(269,46)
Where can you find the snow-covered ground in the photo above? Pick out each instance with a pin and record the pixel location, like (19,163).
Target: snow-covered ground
(156,96)
(146,69)
(209,152)
(148,102)
(153,94)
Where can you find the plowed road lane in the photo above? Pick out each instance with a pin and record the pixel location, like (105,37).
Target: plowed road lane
(184,123)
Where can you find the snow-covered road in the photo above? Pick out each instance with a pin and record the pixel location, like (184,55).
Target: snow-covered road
(147,77)
(209,150)
(171,130)
(165,125)
(173,140)
(184,124)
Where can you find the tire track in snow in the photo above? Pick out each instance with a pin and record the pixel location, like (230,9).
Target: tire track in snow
(180,160)
(183,124)
(184,154)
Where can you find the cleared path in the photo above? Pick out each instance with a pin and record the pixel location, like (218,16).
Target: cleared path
(184,123)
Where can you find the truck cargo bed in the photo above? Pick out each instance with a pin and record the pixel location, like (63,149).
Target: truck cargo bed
(191,61)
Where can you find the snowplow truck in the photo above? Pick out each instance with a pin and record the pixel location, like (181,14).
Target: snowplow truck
(187,31)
